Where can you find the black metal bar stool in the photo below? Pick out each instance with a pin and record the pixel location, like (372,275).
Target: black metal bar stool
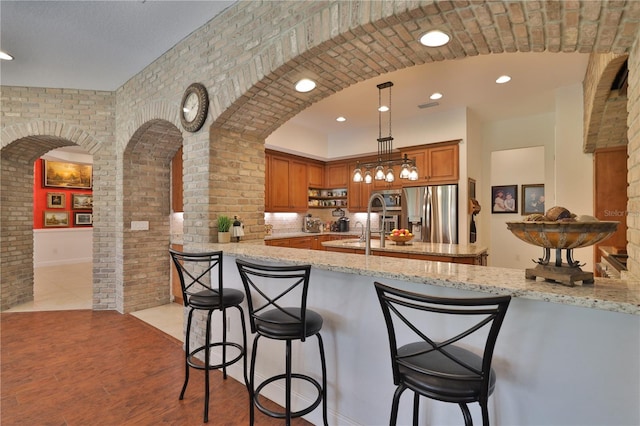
(439,368)
(201,282)
(277,299)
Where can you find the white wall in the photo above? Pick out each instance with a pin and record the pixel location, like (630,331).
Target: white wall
(299,140)
(515,135)
(62,246)
(518,167)
(573,168)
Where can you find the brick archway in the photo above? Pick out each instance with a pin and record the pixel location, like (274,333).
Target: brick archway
(146,197)
(22,145)
(364,46)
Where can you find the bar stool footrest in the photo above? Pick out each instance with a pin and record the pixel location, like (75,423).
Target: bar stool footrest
(198,364)
(282,415)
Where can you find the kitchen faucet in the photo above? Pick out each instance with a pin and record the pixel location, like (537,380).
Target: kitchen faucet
(384,214)
(361,239)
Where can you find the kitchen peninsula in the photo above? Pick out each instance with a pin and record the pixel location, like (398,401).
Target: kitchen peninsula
(544,349)
(455,253)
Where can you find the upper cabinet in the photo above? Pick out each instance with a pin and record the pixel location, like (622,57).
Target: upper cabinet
(286,183)
(336,175)
(315,174)
(357,194)
(437,163)
(289,177)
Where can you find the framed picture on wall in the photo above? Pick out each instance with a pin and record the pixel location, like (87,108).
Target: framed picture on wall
(56,219)
(505,199)
(83,219)
(533,199)
(66,175)
(56,200)
(82,201)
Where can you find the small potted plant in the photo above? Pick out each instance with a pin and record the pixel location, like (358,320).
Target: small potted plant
(224,226)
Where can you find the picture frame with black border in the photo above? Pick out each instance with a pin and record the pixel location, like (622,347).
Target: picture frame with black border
(83,219)
(533,199)
(56,200)
(504,199)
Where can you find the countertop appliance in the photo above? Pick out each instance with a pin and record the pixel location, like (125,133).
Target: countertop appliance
(343,224)
(431,213)
(311,224)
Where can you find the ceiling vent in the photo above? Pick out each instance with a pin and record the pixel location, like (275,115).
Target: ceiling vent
(428,105)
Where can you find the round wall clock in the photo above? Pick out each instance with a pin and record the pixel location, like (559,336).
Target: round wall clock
(194,107)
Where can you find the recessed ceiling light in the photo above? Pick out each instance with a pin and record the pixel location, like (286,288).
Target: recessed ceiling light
(341,119)
(435,96)
(435,38)
(305,85)
(503,79)
(383,108)
(5,56)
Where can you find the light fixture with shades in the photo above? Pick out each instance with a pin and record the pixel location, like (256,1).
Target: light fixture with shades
(383,167)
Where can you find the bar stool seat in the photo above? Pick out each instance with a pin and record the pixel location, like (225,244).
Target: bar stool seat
(429,359)
(202,290)
(277,300)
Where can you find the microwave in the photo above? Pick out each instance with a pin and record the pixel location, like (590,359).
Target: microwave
(392,200)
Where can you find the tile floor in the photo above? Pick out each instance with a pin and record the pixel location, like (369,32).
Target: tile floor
(68,287)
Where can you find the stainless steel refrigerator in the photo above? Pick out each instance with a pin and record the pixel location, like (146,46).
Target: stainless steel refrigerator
(431,213)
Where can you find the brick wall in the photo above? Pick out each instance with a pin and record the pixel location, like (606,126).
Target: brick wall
(633,191)
(35,121)
(248,58)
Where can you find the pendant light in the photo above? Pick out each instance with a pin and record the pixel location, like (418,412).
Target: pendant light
(383,167)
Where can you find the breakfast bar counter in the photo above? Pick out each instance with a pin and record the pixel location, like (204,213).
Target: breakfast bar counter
(565,355)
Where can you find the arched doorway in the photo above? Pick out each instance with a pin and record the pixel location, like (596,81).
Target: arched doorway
(146,209)
(16,228)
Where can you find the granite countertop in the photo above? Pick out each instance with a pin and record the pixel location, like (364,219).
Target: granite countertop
(605,294)
(432,249)
(282,235)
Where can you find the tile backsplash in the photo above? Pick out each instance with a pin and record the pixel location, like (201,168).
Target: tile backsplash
(285,223)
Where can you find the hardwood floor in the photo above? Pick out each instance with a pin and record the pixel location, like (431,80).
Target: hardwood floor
(103,368)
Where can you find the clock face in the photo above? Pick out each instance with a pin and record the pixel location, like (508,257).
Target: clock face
(194,107)
(190,107)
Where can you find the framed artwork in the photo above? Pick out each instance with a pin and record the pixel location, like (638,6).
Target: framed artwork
(56,200)
(66,175)
(505,199)
(83,219)
(82,201)
(55,219)
(533,199)
(472,188)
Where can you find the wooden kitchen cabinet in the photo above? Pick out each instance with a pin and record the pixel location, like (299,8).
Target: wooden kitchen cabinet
(176,287)
(337,175)
(315,175)
(176,182)
(358,194)
(286,184)
(610,198)
(280,242)
(437,163)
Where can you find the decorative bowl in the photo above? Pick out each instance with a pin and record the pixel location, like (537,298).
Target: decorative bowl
(563,235)
(400,241)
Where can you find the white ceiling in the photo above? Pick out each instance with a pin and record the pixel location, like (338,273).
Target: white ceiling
(99,45)
(94,45)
